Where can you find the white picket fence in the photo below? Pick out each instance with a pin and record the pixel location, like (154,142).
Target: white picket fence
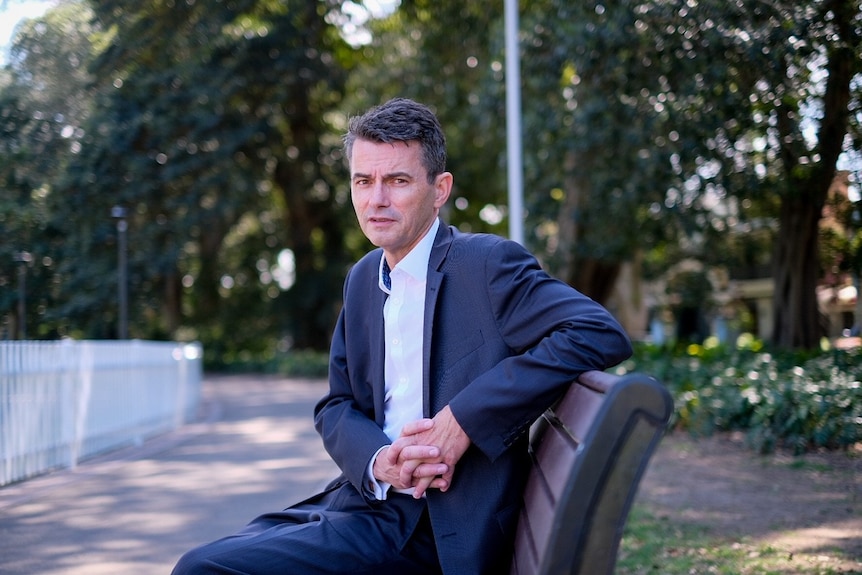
(63,401)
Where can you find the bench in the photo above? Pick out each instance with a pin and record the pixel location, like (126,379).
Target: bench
(589,453)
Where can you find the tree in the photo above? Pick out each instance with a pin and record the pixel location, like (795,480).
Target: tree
(600,120)
(665,107)
(44,101)
(659,124)
(672,121)
(831,42)
(211,126)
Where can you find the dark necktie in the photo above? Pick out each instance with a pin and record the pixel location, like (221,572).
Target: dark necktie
(387,281)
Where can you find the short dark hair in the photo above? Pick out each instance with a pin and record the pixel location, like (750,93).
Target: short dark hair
(401,120)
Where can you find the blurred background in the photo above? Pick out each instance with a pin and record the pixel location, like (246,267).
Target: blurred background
(172,170)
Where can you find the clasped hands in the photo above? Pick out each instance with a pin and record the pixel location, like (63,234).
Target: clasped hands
(424,455)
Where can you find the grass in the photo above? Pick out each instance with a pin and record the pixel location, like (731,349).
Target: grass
(809,466)
(658,545)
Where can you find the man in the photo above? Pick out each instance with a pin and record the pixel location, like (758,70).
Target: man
(446,349)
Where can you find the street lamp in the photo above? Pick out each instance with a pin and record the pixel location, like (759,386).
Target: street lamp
(119,213)
(856,268)
(22,258)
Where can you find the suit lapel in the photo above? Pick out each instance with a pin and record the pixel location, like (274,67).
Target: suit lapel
(377,337)
(433,287)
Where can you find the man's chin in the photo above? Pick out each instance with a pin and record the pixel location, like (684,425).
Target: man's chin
(378,237)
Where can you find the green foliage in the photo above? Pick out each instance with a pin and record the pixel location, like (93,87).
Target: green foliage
(43,104)
(292,363)
(213,126)
(690,288)
(796,401)
(667,126)
(304,363)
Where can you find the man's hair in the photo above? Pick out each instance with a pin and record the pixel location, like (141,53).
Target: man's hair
(401,120)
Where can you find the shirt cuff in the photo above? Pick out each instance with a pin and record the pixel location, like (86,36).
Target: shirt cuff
(380,489)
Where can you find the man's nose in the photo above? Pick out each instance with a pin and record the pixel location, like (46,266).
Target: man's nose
(380,193)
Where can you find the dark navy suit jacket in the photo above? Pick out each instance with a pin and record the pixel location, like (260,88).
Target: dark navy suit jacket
(502,341)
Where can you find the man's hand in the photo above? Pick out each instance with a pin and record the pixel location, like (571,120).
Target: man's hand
(422,461)
(425,454)
(447,435)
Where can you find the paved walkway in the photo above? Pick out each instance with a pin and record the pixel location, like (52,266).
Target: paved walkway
(136,510)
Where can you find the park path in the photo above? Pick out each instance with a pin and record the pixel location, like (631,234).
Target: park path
(135,511)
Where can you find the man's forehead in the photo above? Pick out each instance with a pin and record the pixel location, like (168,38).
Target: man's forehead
(367,155)
(362,143)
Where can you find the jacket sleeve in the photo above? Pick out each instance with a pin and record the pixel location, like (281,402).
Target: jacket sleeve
(344,418)
(554,333)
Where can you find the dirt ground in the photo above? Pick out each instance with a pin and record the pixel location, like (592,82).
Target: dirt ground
(808,506)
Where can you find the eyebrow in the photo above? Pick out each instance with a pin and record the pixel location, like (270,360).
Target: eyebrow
(385,176)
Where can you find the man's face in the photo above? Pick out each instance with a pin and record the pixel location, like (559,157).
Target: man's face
(393,200)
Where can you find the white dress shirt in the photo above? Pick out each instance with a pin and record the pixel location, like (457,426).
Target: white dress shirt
(403,321)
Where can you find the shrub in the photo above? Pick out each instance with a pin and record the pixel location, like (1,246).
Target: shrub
(304,363)
(293,363)
(799,401)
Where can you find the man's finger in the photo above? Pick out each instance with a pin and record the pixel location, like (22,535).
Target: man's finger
(422,486)
(420,452)
(432,470)
(416,426)
(416,470)
(405,474)
(446,478)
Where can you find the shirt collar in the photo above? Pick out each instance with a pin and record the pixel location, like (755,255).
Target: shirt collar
(414,263)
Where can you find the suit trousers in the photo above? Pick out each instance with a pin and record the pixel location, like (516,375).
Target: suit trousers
(335,532)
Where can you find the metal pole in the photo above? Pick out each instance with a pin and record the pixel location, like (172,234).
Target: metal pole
(856,226)
(23,258)
(22,304)
(122,283)
(513,123)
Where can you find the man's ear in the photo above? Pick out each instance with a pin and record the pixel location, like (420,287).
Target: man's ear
(442,188)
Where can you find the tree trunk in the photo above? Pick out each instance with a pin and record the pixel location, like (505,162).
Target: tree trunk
(172,302)
(797,319)
(567,221)
(315,238)
(208,301)
(595,278)
(797,322)
(590,276)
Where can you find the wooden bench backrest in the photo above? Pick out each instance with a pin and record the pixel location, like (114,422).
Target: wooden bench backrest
(589,452)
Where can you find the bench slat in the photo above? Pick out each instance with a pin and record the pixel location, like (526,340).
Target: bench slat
(547,485)
(577,410)
(589,452)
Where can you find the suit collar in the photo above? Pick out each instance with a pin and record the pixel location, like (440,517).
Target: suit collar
(442,243)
